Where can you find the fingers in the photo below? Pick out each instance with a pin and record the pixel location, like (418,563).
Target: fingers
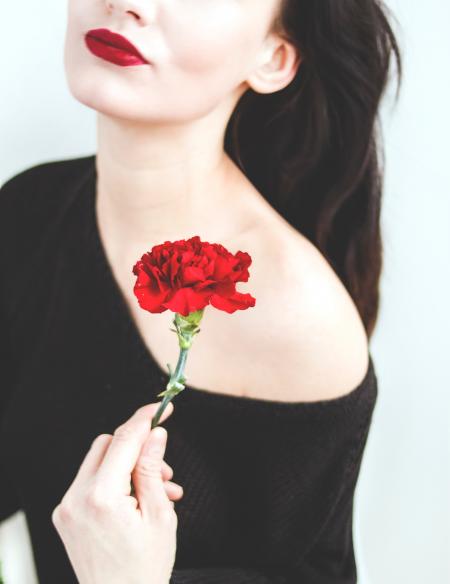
(166,471)
(147,477)
(125,447)
(93,458)
(173,491)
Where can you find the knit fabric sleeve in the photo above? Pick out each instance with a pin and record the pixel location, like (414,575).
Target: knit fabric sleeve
(9,501)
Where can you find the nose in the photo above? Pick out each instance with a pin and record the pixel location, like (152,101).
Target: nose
(141,10)
(119,5)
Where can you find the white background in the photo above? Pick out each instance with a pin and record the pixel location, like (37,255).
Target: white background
(402,514)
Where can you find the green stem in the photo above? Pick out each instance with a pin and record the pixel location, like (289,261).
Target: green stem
(186,328)
(174,387)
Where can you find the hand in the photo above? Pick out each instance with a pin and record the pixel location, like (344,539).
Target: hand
(110,536)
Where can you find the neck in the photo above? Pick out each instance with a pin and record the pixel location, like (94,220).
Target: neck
(158,183)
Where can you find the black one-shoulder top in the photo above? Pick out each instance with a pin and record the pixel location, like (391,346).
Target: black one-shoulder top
(270,501)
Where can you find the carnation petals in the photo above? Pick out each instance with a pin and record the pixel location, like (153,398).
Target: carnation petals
(150,301)
(186,275)
(192,275)
(185,300)
(236,302)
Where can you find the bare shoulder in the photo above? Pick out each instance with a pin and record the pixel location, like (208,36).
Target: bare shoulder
(317,342)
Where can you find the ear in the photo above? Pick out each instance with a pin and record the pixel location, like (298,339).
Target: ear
(278,63)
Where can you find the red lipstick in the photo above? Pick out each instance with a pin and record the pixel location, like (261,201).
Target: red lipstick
(113,47)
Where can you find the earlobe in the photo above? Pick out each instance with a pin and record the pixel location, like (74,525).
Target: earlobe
(276,70)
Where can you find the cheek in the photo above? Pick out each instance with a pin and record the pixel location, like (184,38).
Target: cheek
(87,77)
(211,35)
(80,16)
(80,13)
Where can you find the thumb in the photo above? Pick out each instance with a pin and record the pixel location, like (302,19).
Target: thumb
(147,476)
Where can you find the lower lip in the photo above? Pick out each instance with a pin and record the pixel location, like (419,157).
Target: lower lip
(112,54)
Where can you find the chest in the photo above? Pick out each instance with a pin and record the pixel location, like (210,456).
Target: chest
(232,354)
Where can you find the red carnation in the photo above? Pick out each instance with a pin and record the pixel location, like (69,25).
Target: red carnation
(185,276)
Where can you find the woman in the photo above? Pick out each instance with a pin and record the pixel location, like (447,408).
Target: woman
(251,124)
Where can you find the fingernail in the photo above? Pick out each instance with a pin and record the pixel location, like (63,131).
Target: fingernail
(160,432)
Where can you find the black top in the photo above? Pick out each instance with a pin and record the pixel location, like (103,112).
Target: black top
(269,502)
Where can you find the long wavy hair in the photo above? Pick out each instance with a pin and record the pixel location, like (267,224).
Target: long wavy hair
(312,149)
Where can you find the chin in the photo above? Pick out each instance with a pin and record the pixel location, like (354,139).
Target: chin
(88,86)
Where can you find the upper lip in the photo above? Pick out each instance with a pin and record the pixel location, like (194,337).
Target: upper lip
(116,40)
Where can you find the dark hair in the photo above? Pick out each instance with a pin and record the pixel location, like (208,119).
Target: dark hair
(311,148)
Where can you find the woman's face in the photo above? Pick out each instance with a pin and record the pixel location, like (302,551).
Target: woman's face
(200,53)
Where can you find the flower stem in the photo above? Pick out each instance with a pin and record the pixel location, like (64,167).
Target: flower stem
(186,329)
(174,386)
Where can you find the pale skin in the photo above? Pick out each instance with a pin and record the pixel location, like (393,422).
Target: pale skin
(163,175)
(109,535)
